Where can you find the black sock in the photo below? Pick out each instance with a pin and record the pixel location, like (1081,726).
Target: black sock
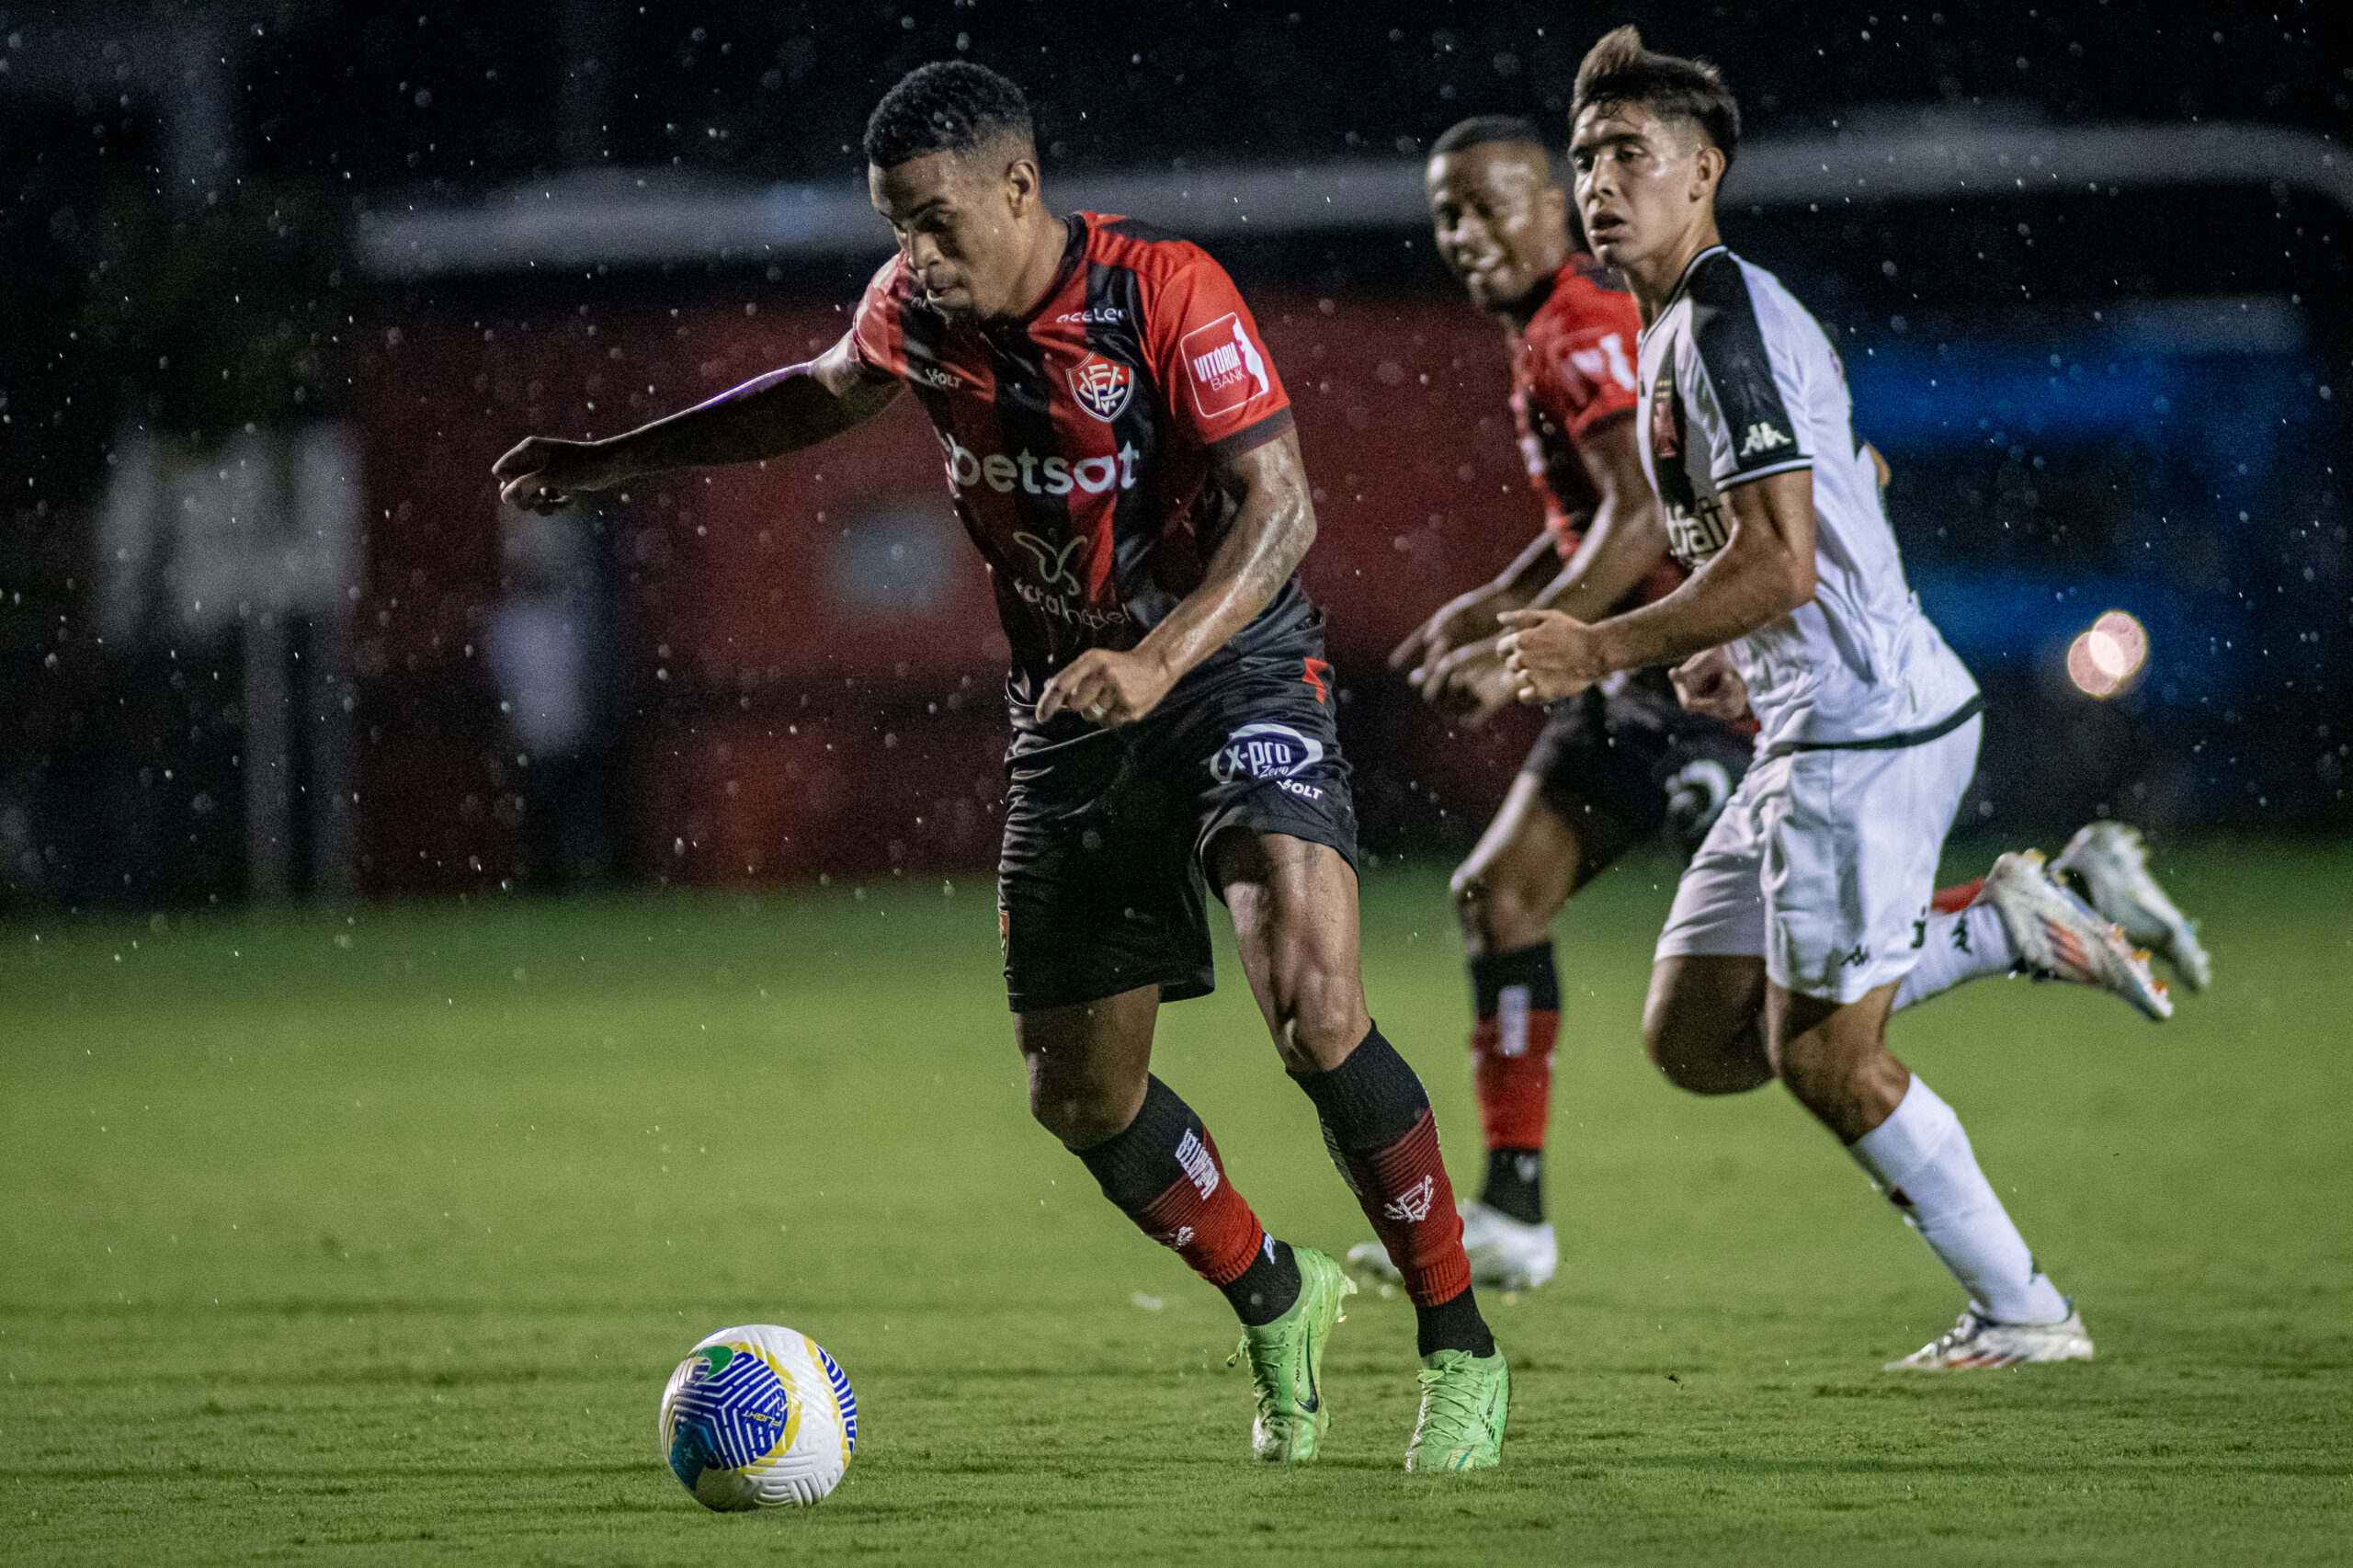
(1265,1291)
(1515,1184)
(1452,1325)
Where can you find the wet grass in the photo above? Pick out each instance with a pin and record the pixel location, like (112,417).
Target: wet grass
(370,1239)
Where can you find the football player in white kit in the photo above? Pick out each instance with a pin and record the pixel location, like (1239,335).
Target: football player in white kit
(1807,907)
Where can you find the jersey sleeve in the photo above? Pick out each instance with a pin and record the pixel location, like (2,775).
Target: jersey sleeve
(874,332)
(1750,380)
(1223,394)
(1584,359)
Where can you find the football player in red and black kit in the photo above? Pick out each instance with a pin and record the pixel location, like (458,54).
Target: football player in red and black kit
(1120,449)
(1613,766)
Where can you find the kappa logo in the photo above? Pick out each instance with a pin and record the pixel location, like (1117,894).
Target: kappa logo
(1227,368)
(1197,1164)
(1102,386)
(1413,1205)
(1761,437)
(1275,752)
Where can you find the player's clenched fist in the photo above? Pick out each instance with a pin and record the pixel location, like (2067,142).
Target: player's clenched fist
(1551,655)
(540,473)
(1109,688)
(1708,684)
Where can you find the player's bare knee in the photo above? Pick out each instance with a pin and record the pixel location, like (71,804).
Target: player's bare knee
(1496,914)
(1704,1056)
(1318,1017)
(1080,1114)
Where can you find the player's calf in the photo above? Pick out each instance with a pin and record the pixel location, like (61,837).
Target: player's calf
(1377,1125)
(1164,1172)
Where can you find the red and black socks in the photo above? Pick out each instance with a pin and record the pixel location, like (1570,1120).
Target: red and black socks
(1518,998)
(1164,1174)
(1377,1125)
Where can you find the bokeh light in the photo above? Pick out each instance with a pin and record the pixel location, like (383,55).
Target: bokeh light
(2105,658)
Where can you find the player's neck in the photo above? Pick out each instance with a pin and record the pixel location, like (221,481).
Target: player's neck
(1654,279)
(1049,238)
(1520,312)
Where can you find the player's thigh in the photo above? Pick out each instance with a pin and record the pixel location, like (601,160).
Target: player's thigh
(1294,907)
(1543,845)
(1097,891)
(1702,1022)
(1851,840)
(1089,1064)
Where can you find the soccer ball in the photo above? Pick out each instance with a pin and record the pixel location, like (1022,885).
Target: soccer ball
(758,1417)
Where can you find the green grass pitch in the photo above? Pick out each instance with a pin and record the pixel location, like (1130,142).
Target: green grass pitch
(371,1238)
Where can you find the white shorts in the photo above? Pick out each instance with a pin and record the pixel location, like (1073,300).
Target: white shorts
(1822,863)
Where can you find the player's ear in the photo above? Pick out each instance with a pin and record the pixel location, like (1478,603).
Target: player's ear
(1021,184)
(1553,206)
(1708,169)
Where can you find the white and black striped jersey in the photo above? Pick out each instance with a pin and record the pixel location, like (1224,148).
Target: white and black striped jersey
(1743,383)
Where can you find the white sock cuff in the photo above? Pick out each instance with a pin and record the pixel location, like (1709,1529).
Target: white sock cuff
(1908,1138)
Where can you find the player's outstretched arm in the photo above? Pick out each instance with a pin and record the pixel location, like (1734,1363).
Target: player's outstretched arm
(1273,525)
(1764,572)
(766,417)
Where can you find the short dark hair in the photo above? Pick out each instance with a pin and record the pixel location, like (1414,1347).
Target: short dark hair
(1618,70)
(950,106)
(1481,130)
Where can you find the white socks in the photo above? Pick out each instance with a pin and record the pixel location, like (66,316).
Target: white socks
(1920,1158)
(1970,945)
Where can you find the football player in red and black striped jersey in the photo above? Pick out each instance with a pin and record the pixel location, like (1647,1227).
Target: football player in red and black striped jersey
(1611,767)
(1120,449)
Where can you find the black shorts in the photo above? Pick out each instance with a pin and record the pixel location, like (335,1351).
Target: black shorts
(1639,755)
(1103,883)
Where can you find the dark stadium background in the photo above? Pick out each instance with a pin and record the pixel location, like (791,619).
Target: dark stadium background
(284,278)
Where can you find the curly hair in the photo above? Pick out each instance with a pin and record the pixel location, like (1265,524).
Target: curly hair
(1618,70)
(950,106)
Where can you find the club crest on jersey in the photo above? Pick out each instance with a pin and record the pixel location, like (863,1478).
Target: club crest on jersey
(1102,386)
(1666,417)
(1225,366)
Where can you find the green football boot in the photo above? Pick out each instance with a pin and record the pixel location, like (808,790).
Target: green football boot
(1287,1362)
(1466,1399)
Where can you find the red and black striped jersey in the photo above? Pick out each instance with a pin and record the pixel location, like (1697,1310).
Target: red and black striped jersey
(1572,373)
(1078,439)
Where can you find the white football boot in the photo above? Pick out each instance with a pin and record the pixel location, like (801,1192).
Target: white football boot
(1506,1254)
(2113,864)
(1980,1342)
(2059,936)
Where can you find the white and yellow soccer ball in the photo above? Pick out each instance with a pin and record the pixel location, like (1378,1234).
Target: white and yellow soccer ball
(758,1417)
